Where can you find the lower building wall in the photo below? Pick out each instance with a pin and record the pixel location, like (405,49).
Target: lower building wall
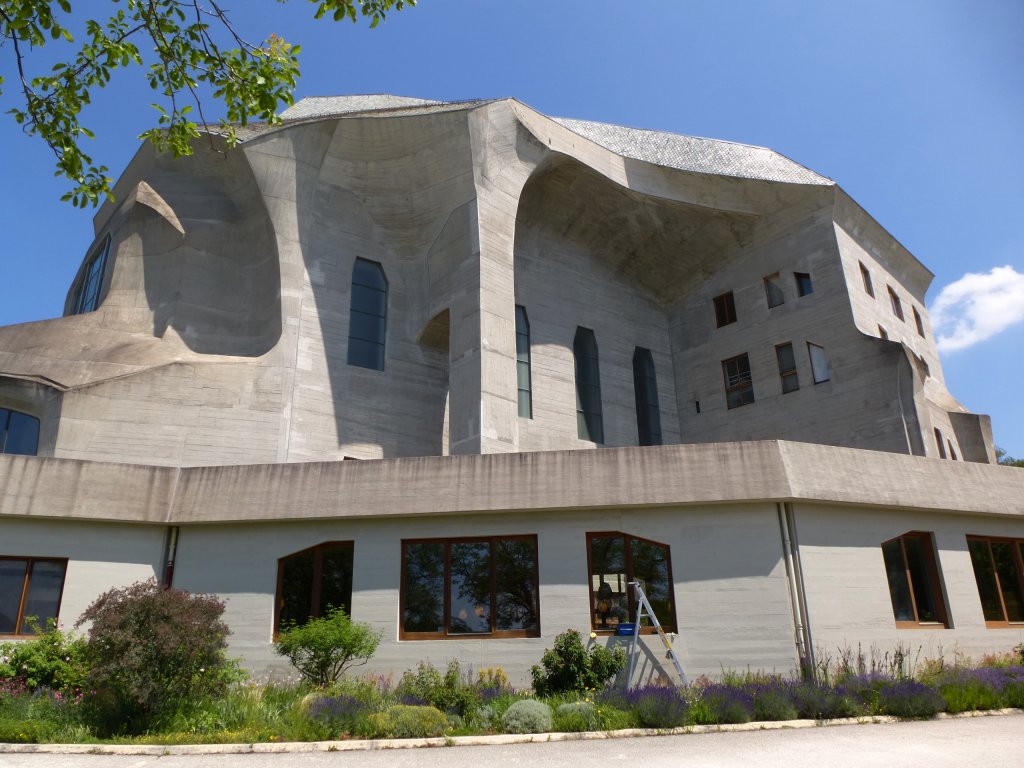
(848,601)
(100,555)
(732,593)
(730,584)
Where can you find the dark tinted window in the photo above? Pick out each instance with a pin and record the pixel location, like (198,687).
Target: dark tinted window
(312,582)
(589,422)
(645,387)
(19,433)
(739,387)
(87,291)
(523,374)
(30,593)
(368,314)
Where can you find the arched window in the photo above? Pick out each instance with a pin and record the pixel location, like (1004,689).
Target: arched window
(645,385)
(311,582)
(19,433)
(367,319)
(589,423)
(523,363)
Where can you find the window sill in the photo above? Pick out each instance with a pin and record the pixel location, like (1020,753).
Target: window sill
(920,625)
(418,636)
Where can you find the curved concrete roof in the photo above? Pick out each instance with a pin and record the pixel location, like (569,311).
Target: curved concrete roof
(670,150)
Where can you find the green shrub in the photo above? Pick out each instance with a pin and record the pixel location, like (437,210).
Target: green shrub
(404,721)
(323,649)
(449,693)
(569,667)
(576,716)
(151,651)
(527,716)
(53,659)
(966,695)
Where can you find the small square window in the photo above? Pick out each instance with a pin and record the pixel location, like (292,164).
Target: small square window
(773,290)
(787,368)
(725,309)
(803,283)
(739,388)
(914,580)
(897,306)
(865,277)
(819,363)
(918,322)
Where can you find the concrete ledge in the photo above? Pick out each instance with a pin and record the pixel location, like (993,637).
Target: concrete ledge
(364,745)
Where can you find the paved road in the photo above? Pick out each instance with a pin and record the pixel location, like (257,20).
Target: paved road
(980,742)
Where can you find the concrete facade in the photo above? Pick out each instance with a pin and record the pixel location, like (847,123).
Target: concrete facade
(209,391)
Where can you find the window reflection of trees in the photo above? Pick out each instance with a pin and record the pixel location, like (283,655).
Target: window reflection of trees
(470,587)
(617,559)
(424,587)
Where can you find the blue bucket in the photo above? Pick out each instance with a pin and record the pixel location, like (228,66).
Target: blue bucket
(625,629)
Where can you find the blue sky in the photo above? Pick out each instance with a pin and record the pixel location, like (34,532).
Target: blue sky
(916,108)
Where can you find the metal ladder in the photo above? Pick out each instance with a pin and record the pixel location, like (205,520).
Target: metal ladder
(643,608)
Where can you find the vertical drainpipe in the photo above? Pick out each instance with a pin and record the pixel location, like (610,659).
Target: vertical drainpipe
(170,552)
(795,582)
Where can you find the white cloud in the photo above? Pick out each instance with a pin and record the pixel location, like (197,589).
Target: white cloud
(977,307)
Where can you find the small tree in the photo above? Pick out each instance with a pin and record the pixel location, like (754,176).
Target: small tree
(322,649)
(151,650)
(568,666)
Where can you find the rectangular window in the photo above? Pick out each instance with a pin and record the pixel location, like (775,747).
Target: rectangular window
(914,581)
(30,592)
(19,433)
(725,309)
(883,334)
(787,368)
(952,451)
(819,363)
(739,388)
(865,277)
(803,283)
(773,290)
(312,582)
(999,573)
(615,560)
(897,306)
(523,374)
(938,442)
(474,587)
(918,322)
(368,315)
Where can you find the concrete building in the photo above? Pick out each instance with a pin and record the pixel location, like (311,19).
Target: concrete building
(473,295)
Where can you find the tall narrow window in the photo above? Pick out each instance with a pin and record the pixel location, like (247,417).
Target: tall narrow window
(918,322)
(819,363)
(897,306)
(589,422)
(787,368)
(883,334)
(645,386)
(19,433)
(87,291)
(803,283)
(739,388)
(30,593)
(773,290)
(865,277)
(914,580)
(725,309)
(367,319)
(312,582)
(615,560)
(999,572)
(523,363)
(938,442)
(484,587)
